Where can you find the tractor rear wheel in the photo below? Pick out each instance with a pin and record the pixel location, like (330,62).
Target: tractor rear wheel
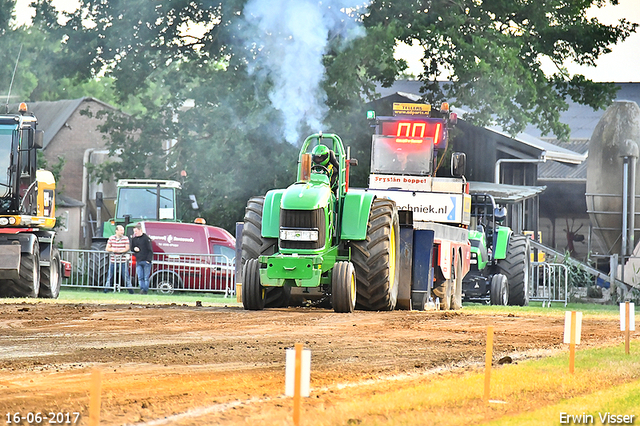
(50,276)
(253,294)
(254,245)
(499,292)
(376,259)
(516,268)
(343,287)
(98,264)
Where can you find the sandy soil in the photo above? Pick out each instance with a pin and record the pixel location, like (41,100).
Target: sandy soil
(224,365)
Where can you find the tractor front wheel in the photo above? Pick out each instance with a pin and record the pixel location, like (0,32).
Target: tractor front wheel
(252,292)
(499,290)
(50,276)
(343,287)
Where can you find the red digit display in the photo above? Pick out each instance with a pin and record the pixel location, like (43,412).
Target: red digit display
(413,131)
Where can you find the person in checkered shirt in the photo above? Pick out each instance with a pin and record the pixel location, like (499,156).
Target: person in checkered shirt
(118,247)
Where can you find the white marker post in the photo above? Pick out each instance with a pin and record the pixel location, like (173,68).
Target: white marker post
(572,331)
(627,322)
(297,377)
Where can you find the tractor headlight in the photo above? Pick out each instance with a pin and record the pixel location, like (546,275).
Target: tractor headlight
(298,235)
(4,221)
(12,221)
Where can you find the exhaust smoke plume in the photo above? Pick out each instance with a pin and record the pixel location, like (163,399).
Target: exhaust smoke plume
(288,39)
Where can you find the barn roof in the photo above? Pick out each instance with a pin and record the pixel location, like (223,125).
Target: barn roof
(53,115)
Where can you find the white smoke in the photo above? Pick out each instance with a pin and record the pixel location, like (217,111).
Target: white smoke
(289,39)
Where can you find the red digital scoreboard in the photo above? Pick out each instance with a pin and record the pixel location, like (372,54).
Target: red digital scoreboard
(414,130)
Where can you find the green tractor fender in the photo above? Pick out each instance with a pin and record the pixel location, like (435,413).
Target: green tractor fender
(108,229)
(355,215)
(478,242)
(271,214)
(501,242)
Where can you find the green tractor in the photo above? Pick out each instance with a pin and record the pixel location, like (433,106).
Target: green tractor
(137,200)
(500,259)
(320,238)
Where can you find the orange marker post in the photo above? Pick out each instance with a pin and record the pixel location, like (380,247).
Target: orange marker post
(487,364)
(297,386)
(94,401)
(627,323)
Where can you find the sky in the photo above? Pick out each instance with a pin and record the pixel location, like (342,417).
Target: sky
(621,65)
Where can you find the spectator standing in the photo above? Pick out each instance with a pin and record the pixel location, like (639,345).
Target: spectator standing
(118,246)
(143,251)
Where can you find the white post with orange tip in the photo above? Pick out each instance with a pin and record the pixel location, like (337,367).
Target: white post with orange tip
(572,331)
(297,377)
(627,323)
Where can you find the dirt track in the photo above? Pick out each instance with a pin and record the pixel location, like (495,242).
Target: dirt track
(161,360)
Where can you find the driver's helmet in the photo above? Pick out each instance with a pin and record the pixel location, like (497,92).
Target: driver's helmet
(320,155)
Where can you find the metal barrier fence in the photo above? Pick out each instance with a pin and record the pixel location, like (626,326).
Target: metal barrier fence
(549,283)
(169,272)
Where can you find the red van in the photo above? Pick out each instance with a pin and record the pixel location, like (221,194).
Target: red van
(190,256)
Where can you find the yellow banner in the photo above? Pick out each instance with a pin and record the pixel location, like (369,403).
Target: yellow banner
(411,109)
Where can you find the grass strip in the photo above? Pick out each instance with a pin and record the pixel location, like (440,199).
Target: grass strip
(606,380)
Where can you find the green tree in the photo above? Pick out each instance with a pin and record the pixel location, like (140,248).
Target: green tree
(35,52)
(230,142)
(492,53)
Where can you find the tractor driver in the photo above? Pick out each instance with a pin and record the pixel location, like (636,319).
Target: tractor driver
(323,156)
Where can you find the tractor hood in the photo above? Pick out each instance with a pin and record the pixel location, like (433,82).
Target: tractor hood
(311,195)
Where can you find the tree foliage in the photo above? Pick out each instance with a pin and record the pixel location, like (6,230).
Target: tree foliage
(159,56)
(492,54)
(35,53)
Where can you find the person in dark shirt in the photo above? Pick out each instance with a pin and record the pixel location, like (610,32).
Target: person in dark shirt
(142,250)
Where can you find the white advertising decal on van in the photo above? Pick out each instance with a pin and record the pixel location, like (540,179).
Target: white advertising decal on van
(170,240)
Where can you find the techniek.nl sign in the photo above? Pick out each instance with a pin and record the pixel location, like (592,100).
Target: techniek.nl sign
(431,207)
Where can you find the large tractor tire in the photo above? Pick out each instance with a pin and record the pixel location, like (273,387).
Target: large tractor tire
(499,290)
(254,245)
(28,283)
(343,287)
(376,259)
(98,264)
(516,268)
(50,276)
